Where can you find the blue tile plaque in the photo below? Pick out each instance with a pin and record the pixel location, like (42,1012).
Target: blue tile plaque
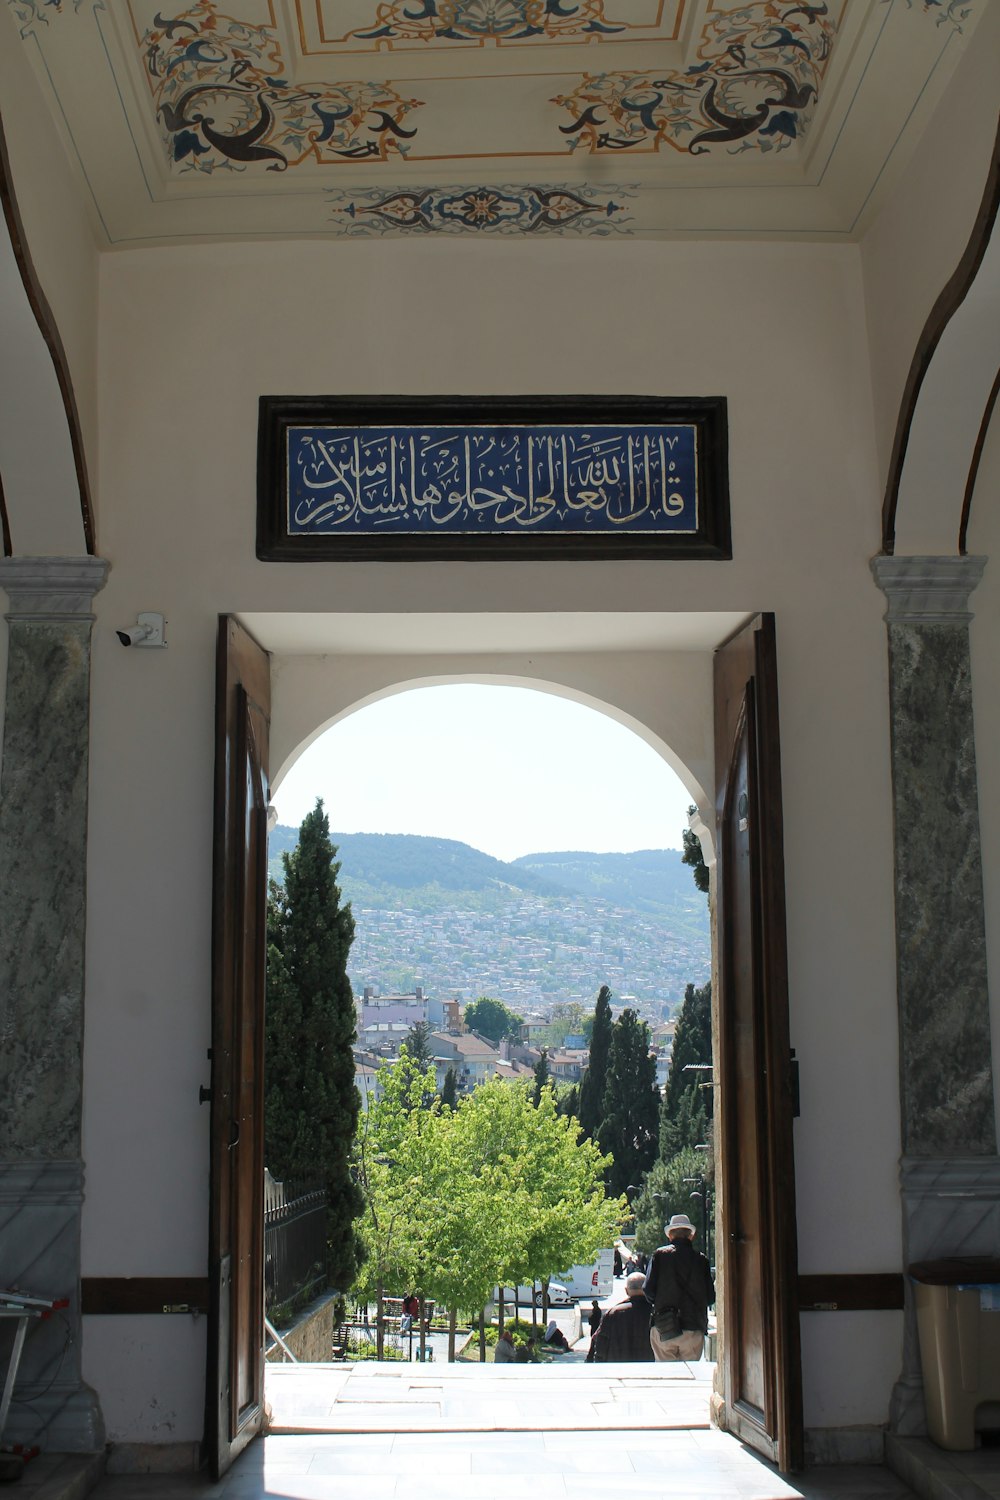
(516,477)
(429,479)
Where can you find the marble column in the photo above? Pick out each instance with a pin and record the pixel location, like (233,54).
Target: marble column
(950,1173)
(43,855)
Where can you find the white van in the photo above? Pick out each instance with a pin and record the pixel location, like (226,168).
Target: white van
(582,1283)
(594,1280)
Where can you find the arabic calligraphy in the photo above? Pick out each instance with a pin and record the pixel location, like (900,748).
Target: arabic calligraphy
(466,478)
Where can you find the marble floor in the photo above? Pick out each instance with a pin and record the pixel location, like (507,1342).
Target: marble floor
(566,1395)
(563,1431)
(624,1465)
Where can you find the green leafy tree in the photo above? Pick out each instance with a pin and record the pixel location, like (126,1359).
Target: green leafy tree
(693,856)
(543,1077)
(394,1163)
(492,1019)
(544,1186)
(630,1126)
(495,1192)
(595,1078)
(311,1104)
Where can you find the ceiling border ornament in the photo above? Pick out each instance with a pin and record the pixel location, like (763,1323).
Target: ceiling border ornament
(753,88)
(497,209)
(946,12)
(29,13)
(223,100)
(487,20)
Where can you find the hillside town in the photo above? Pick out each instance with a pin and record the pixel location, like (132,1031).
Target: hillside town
(536,955)
(386,1022)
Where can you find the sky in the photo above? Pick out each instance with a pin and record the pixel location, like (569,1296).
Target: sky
(509,770)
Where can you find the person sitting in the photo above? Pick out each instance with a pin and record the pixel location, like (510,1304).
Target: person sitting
(555,1338)
(505,1353)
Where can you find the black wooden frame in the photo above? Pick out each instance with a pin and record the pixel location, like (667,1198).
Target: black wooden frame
(707,414)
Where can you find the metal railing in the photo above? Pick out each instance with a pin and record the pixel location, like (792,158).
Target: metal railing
(295,1234)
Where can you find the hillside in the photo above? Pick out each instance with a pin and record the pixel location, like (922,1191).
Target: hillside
(544,928)
(652,880)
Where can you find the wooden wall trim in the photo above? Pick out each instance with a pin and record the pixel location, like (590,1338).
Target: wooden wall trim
(949,301)
(977,453)
(8,549)
(103,1296)
(50,333)
(843,1292)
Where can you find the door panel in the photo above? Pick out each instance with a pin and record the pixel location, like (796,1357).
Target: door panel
(761,1361)
(235,1389)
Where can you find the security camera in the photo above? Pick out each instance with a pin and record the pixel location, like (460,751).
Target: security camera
(135,636)
(149,630)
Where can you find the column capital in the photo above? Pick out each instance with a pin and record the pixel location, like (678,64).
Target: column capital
(52,587)
(928,590)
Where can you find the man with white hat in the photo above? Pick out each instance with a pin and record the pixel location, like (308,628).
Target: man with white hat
(680,1287)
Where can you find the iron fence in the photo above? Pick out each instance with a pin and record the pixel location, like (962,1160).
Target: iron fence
(295,1231)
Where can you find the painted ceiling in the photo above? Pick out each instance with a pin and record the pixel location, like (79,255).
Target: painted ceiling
(225,118)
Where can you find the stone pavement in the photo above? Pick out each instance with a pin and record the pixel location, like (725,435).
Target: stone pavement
(563,1395)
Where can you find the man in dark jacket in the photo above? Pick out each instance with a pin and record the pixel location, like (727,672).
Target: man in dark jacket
(679,1285)
(623,1332)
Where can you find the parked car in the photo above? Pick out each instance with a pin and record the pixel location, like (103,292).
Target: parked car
(559,1295)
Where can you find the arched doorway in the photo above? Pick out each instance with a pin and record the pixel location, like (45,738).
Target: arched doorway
(726,720)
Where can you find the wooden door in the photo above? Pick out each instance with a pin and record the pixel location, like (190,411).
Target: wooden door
(235,1388)
(760,1344)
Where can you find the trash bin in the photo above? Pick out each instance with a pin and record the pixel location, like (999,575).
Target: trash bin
(958,1321)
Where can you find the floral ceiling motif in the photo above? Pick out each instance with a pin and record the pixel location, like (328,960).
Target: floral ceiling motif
(493,20)
(223,99)
(509,209)
(753,87)
(415,117)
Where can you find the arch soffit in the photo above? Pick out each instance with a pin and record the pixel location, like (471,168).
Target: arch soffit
(303,738)
(45,503)
(950,397)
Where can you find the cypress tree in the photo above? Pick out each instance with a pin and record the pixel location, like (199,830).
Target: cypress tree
(692,1044)
(449,1091)
(568,1102)
(418,1043)
(631,1105)
(543,1077)
(311,1103)
(592,1087)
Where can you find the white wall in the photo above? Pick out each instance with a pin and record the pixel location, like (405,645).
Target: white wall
(663,696)
(917,242)
(778,329)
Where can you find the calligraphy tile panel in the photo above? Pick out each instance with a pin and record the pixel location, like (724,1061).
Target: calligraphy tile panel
(501,479)
(466,477)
